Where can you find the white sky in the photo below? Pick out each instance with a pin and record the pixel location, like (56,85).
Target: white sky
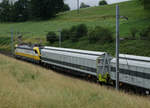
(73,3)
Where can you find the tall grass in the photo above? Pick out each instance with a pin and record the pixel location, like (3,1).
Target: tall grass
(24,85)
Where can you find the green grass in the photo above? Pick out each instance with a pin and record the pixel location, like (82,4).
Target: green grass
(23,85)
(93,16)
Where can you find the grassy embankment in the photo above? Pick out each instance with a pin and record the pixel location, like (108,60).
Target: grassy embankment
(94,16)
(23,85)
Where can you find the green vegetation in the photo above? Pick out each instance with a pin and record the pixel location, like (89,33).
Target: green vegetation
(145,33)
(23,85)
(83,5)
(103,16)
(101,35)
(51,37)
(25,10)
(145,3)
(102,2)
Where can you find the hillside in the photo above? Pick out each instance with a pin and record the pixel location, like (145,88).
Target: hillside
(93,16)
(23,85)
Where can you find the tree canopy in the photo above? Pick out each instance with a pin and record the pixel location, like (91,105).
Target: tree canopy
(83,5)
(102,2)
(145,3)
(23,10)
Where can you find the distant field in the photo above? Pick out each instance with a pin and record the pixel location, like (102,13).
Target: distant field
(23,85)
(93,16)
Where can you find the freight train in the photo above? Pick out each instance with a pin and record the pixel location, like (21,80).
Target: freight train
(134,70)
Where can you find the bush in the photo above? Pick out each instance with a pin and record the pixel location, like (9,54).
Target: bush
(145,34)
(76,32)
(133,31)
(73,32)
(100,34)
(83,5)
(66,7)
(103,2)
(82,30)
(65,34)
(51,37)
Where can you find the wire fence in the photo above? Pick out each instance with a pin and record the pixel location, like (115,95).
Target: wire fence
(9,39)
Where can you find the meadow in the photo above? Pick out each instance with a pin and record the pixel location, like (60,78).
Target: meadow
(24,85)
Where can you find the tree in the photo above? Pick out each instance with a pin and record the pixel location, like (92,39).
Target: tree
(51,37)
(65,34)
(66,8)
(83,5)
(100,34)
(44,9)
(145,3)
(59,5)
(20,11)
(103,2)
(5,11)
(23,10)
(76,32)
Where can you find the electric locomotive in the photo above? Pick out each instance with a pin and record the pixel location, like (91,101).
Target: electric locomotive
(28,52)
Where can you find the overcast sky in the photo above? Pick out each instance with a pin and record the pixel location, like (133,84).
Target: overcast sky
(73,3)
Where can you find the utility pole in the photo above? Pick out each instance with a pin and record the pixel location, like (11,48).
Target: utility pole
(78,6)
(60,38)
(12,43)
(117,47)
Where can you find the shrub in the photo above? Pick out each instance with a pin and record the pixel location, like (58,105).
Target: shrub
(77,32)
(103,2)
(133,31)
(83,5)
(82,30)
(65,34)
(51,37)
(66,7)
(145,33)
(73,32)
(100,34)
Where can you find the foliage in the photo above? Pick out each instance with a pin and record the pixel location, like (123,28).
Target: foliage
(66,7)
(5,10)
(82,30)
(145,33)
(78,31)
(20,11)
(102,2)
(43,9)
(134,32)
(51,37)
(83,5)
(100,34)
(145,3)
(23,10)
(65,34)
(73,34)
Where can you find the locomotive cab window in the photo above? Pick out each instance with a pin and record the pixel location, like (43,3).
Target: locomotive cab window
(36,52)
